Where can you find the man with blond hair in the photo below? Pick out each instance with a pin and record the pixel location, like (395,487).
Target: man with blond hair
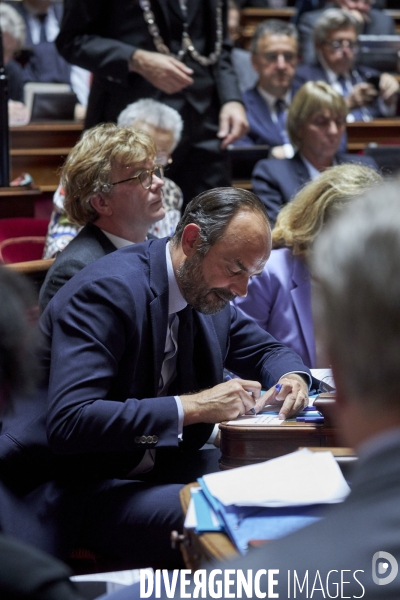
(114,189)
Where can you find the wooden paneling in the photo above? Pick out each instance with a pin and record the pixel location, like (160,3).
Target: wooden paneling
(40,149)
(17,202)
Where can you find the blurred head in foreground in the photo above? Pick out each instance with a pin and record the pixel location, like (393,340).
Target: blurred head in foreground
(356,262)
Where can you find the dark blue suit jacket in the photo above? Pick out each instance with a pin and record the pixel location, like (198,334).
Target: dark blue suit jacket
(277,181)
(46,65)
(263,130)
(104,336)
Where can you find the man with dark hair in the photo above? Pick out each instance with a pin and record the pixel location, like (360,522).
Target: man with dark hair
(274,58)
(134,350)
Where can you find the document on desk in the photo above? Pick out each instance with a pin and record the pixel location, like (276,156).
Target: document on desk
(296,479)
(270,419)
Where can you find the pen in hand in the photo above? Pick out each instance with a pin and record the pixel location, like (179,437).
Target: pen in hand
(272,399)
(251,411)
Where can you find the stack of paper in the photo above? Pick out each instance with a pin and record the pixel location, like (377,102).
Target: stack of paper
(267,500)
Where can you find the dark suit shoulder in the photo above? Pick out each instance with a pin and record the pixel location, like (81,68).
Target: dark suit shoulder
(89,245)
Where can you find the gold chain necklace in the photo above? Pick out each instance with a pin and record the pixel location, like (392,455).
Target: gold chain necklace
(186,43)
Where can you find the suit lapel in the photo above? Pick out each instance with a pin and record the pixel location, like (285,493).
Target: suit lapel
(301,170)
(301,296)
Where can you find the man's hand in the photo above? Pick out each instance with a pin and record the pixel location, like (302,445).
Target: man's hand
(232,123)
(223,402)
(278,152)
(362,94)
(164,72)
(292,398)
(388,88)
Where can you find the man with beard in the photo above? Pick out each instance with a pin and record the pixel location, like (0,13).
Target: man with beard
(134,347)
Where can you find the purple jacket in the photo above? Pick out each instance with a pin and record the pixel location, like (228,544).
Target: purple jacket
(279,301)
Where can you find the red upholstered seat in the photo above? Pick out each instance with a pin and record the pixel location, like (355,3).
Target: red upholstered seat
(22,239)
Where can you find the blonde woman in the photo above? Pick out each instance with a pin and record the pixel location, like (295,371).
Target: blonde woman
(316,123)
(279,300)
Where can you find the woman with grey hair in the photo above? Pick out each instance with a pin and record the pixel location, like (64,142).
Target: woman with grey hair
(164,124)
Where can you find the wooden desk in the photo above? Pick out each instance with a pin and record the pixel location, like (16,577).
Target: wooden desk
(199,548)
(242,446)
(40,149)
(379,131)
(18,202)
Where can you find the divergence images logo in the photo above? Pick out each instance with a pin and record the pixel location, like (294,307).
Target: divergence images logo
(380,568)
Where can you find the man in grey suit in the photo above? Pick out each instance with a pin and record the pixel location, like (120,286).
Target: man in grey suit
(354,551)
(113,188)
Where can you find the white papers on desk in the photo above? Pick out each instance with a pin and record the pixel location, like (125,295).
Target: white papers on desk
(256,420)
(296,479)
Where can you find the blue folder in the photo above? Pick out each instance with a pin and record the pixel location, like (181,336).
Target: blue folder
(245,523)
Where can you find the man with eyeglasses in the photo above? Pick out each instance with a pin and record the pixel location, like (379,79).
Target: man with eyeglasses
(368,93)
(370,21)
(112,188)
(274,58)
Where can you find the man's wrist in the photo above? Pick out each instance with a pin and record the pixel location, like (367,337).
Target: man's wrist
(133,62)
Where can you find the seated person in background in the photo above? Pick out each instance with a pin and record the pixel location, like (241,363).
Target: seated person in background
(13,34)
(113,187)
(274,57)
(316,122)
(164,124)
(279,300)
(335,36)
(134,350)
(42,19)
(356,264)
(369,20)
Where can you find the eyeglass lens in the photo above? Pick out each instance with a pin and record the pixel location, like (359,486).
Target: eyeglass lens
(146,177)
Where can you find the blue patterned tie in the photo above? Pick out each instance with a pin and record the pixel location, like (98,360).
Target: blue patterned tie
(280,108)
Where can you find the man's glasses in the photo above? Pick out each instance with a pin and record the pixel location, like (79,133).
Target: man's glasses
(272,57)
(145,177)
(339,45)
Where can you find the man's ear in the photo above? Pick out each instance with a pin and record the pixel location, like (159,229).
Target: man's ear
(101,205)
(190,239)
